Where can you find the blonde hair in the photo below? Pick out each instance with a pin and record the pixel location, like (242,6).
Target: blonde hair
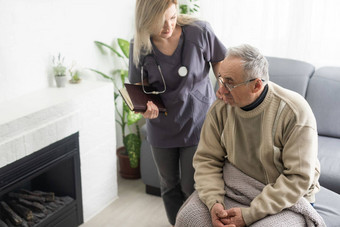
(149,19)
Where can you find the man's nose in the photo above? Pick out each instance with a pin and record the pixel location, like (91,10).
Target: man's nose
(224,89)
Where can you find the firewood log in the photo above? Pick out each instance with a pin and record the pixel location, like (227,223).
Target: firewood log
(21,210)
(27,197)
(39,215)
(11,215)
(35,206)
(49,196)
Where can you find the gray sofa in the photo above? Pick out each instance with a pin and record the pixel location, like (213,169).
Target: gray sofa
(321,88)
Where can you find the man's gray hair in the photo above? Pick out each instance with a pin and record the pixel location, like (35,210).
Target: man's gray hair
(254,64)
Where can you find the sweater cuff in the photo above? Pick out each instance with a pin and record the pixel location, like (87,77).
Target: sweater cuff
(212,202)
(247,217)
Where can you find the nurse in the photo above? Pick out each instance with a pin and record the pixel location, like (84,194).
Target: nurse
(173,53)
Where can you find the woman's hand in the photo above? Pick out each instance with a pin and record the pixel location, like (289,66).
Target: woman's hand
(152,111)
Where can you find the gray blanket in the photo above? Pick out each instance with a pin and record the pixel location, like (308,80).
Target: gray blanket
(240,191)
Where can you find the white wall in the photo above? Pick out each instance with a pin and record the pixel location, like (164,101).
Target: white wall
(31,32)
(300,29)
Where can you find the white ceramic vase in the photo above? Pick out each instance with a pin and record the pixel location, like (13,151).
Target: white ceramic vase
(60,81)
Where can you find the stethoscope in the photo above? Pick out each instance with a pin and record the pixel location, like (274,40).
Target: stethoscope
(182,70)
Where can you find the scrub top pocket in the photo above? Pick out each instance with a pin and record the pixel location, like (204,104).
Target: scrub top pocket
(200,105)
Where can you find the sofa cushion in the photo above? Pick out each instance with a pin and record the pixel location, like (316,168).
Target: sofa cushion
(324,99)
(290,74)
(329,156)
(327,204)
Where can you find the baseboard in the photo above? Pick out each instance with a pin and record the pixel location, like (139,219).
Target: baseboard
(152,190)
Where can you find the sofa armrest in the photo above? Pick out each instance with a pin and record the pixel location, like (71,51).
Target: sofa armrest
(329,156)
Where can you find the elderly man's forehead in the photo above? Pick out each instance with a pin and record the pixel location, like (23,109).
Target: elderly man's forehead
(231,63)
(234,59)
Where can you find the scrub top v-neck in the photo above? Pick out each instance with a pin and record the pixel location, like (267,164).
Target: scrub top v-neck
(187,98)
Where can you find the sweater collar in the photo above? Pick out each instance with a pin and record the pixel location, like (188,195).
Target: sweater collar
(258,101)
(260,106)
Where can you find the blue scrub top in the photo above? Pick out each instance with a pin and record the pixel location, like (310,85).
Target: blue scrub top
(188,98)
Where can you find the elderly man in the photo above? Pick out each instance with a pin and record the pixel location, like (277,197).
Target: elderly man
(262,139)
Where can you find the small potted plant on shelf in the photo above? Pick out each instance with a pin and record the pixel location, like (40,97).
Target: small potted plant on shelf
(59,71)
(74,73)
(129,154)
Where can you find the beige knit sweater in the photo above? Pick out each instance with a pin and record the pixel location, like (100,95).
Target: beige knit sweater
(286,162)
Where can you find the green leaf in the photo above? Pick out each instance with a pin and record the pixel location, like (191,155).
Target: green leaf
(124,74)
(116,71)
(100,44)
(126,108)
(132,145)
(183,9)
(133,117)
(100,47)
(124,46)
(102,74)
(116,95)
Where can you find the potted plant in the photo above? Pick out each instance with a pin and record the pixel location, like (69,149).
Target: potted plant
(59,71)
(74,73)
(129,154)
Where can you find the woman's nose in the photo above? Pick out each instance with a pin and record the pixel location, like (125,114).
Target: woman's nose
(166,25)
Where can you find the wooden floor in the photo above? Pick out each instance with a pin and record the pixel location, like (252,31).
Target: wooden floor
(133,208)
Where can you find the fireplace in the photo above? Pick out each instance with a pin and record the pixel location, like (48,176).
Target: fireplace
(55,168)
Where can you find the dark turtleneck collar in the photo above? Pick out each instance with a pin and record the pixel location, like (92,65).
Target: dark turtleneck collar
(258,101)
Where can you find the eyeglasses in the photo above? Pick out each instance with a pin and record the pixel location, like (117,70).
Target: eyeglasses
(230,87)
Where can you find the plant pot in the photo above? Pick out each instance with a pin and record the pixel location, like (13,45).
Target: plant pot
(125,169)
(60,81)
(75,81)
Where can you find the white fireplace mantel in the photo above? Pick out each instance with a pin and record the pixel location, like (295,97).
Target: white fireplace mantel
(43,117)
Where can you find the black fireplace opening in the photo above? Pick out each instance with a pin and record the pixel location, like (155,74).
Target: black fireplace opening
(47,183)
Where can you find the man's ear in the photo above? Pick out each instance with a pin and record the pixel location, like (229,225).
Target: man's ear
(258,85)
